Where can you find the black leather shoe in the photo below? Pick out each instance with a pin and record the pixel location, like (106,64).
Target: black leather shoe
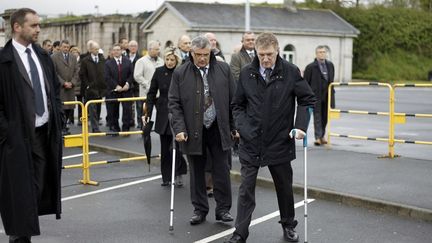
(197,219)
(289,233)
(165,183)
(235,239)
(225,217)
(19,239)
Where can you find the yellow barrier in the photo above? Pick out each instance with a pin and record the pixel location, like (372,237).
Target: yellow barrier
(393,116)
(335,113)
(82,139)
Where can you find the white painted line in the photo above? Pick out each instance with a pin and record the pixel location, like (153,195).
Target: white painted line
(253,222)
(112,188)
(77,155)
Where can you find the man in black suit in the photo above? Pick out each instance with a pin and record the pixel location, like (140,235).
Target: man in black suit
(30,131)
(320,74)
(92,79)
(133,56)
(118,77)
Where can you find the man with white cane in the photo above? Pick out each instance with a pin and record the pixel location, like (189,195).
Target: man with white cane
(263,108)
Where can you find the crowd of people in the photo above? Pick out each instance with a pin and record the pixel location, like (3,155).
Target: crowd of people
(248,105)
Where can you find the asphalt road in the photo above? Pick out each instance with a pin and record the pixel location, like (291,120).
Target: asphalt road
(117,211)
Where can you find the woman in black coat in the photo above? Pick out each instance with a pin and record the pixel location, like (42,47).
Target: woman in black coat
(158,95)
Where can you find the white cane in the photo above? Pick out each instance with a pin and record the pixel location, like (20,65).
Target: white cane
(171,227)
(305,146)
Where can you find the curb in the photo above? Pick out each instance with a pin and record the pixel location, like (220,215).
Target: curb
(313,192)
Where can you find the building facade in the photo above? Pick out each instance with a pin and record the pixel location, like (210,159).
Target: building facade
(299,31)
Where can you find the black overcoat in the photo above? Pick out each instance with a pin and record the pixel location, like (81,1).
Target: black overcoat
(264,113)
(18,196)
(160,82)
(92,77)
(318,83)
(186,103)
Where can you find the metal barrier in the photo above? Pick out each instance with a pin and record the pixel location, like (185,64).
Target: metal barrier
(394,118)
(400,118)
(335,114)
(82,140)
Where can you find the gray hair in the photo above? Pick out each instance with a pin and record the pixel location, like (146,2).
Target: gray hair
(200,42)
(152,44)
(321,47)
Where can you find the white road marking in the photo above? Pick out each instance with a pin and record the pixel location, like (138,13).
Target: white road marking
(253,222)
(77,155)
(112,188)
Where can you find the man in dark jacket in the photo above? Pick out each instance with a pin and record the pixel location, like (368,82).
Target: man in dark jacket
(319,74)
(199,100)
(92,79)
(30,131)
(263,108)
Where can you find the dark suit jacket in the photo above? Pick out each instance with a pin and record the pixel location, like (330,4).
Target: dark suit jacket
(160,82)
(17,126)
(92,77)
(111,73)
(135,87)
(319,85)
(186,99)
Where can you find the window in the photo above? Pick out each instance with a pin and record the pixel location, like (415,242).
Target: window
(289,53)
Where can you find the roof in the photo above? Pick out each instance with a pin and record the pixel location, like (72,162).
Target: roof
(217,16)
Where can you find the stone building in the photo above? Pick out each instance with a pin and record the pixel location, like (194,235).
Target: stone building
(106,30)
(299,30)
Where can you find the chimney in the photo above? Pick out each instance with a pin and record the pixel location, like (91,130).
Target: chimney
(289,5)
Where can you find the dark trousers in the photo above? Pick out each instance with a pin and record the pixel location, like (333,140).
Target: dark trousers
(94,113)
(39,156)
(79,98)
(68,113)
(282,179)
(220,172)
(113,110)
(139,111)
(166,159)
(320,118)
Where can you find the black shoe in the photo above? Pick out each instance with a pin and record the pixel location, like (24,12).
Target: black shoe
(19,239)
(235,238)
(197,219)
(289,233)
(165,183)
(210,192)
(96,131)
(179,181)
(225,217)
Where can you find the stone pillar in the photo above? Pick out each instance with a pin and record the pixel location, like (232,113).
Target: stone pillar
(6,16)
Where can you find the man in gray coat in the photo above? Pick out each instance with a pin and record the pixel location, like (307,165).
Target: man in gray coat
(199,100)
(67,70)
(244,56)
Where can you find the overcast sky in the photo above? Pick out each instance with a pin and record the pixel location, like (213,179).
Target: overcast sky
(80,7)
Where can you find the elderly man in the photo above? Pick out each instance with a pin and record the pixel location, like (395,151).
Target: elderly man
(244,56)
(199,100)
(264,107)
(146,66)
(320,74)
(30,131)
(184,46)
(133,57)
(214,43)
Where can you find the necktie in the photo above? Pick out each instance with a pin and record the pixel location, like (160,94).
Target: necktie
(267,73)
(39,104)
(119,66)
(96,60)
(66,57)
(251,55)
(324,70)
(209,108)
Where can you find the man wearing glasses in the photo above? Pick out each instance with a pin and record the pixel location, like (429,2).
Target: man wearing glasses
(199,100)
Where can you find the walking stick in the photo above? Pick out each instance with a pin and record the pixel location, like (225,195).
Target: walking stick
(305,148)
(171,226)
(305,199)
